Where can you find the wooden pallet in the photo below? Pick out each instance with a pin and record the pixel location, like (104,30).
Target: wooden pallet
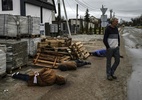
(59,51)
(52,51)
(57,42)
(80,51)
(52,58)
(51,44)
(18,37)
(28,36)
(45,62)
(10,37)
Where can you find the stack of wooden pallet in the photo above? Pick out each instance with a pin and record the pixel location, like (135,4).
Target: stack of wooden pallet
(51,53)
(79,51)
(56,42)
(2,63)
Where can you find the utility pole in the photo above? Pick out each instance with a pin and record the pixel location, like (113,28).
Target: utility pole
(111,13)
(66,18)
(59,18)
(76,19)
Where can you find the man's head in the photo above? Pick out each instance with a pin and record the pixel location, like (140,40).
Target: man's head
(114,22)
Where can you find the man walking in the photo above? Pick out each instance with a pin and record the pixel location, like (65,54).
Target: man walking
(112,42)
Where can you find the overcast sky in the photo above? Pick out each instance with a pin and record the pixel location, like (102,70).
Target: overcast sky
(123,9)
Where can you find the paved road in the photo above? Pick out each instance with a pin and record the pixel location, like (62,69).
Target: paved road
(133,42)
(86,83)
(89,83)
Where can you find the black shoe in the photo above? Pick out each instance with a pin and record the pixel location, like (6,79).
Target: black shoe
(114,77)
(90,53)
(109,78)
(121,56)
(88,63)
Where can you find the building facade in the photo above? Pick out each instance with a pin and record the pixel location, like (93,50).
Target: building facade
(45,9)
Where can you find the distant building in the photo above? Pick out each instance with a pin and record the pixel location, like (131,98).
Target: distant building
(80,24)
(45,9)
(75,25)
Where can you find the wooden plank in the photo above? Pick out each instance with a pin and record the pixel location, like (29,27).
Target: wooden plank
(86,55)
(65,58)
(63,48)
(53,43)
(55,61)
(47,59)
(78,43)
(55,40)
(59,53)
(79,46)
(43,65)
(56,48)
(42,44)
(81,50)
(38,54)
(47,62)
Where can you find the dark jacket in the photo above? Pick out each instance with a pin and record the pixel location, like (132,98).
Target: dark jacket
(46,77)
(111,37)
(68,65)
(72,65)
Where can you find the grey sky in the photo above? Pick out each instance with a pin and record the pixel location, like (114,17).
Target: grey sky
(124,9)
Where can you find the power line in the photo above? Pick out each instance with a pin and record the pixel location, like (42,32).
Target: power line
(70,6)
(80,3)
(84,5)
(87,4)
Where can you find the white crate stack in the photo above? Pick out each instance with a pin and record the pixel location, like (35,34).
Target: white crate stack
(16,54)
(23,25)
(8,25)
(13,25)
(32,45)
(26,28)
(34,25)
(2,59)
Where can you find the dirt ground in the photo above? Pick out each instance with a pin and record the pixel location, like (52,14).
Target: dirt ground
(83,84)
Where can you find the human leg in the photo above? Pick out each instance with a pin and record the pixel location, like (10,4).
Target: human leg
(116,62)
(62,67)
(20,76)
(95,54)
(108,63)
(81,63)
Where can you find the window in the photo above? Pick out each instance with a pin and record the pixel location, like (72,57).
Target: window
(7,5)
(43,0)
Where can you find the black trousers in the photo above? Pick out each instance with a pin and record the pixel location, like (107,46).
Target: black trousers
(112,52)
(81,63)
(20,76)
